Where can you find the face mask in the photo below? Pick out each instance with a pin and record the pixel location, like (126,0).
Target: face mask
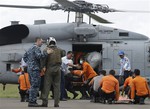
(81,61)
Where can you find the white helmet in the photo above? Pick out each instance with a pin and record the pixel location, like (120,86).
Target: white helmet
(50,39)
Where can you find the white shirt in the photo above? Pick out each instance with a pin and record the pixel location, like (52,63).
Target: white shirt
(96,84)
(125,64)
(64,65)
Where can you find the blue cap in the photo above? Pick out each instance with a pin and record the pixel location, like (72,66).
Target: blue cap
(120,52)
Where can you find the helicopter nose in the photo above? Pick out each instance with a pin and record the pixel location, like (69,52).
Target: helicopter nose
(13,34)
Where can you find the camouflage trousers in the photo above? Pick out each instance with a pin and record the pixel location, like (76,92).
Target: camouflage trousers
(35,80)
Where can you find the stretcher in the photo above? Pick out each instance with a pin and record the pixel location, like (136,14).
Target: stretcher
(123,100)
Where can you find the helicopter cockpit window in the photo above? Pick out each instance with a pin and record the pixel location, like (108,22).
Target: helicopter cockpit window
(123,34)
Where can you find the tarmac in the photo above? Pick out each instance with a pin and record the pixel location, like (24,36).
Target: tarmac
(14,103)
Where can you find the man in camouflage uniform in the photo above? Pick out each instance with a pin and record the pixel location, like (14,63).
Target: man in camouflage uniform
(32,58)
(52,74)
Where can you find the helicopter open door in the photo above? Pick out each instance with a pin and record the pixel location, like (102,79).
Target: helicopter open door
(92,50)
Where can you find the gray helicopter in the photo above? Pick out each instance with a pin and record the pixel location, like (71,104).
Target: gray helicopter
(99,43)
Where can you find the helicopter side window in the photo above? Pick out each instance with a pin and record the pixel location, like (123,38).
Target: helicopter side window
(122,34)
(8,67)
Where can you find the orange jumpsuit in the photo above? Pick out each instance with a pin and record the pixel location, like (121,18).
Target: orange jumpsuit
(24,85)
(128,82)
(110,84)
(77,72)
(140,86)
(88,71)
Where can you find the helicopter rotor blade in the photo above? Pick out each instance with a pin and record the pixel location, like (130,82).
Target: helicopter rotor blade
(97,18)
(24,6)
(132,11)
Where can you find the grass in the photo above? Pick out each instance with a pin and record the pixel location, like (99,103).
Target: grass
(11,91)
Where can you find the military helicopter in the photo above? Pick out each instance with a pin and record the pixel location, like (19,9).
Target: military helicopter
(99,43)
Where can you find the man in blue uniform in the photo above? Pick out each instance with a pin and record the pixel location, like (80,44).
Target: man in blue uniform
(125,67)
(32,58)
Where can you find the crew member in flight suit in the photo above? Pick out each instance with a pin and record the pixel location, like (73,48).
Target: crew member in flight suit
(53,73)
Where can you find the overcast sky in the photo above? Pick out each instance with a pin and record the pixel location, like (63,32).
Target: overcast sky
(136,22)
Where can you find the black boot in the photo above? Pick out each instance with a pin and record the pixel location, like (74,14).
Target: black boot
(22,98)
(44,103)
(56,105)
(33,104)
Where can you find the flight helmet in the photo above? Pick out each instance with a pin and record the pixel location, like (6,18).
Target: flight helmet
(51,41)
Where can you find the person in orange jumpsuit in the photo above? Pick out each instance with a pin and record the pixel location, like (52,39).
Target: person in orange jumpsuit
(24,83)
(88,74)
(23,80)
(87,70)
(109,87)
(139,88)
(127,86)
